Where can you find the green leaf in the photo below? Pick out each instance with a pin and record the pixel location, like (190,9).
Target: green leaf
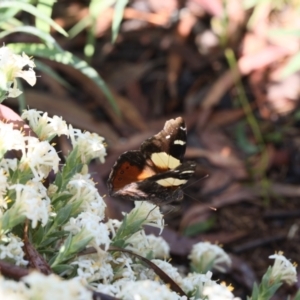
(45,37)
(34,11)
(47,242)
(128,227)
(64,249)
(66,58)
(63,215)
(7,18)
(118,16)
(62,198)
(45,7)
(80,26)
(62,268)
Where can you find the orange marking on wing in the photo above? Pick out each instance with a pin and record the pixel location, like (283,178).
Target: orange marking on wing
(128,173)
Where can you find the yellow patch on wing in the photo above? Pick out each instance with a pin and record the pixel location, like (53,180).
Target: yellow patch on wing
(164,161)
(179,142)
(170,181)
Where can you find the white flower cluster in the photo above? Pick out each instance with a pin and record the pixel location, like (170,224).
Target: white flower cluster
(11,67)
(39,286)
(45,127)
(207,288)
(22,193)
(11,249)
(99,266)
(283,269)
(206,256)
(89,145)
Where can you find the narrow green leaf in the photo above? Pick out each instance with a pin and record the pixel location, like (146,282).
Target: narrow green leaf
(118,16)
(45,7)
(34,11)
(7,19)
(63,215)
(80,26)
(62,268)
(45,37)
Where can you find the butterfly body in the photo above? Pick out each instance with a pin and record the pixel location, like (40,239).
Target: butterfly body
(156,171)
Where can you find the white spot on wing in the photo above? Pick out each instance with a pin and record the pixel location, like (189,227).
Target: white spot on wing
(171,181)
(183,128)
(163,160)
(168,136)
(179,142)
(184,172)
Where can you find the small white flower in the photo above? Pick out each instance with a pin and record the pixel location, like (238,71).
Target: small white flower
(32,204)
(52,286)
(90,145)
(283,269)
(59,126)
(206,256)
(219,292)
(92,224)
(207,288)
(9,164)
(113,225)
(93,268)
(108,289)
(124,267)
(11,249)
(84,190)
(144,245)
(13,66)
(10,139)
(138,243)
(41,157)
(160,248)
(147,290)
(196,282)
(12,290)
(169,270)
(45,127)
(149,212)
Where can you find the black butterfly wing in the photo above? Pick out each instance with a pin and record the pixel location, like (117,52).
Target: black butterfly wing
(166,149)
(164,187)
(130,167)
(156,172)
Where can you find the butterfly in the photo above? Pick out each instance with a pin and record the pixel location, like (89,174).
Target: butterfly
(156,172)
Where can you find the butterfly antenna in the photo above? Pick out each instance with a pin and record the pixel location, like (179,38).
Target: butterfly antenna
(211,207)
(191,197)
(172,208)
(204,177)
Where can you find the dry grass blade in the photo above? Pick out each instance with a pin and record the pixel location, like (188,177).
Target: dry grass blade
(35,259)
